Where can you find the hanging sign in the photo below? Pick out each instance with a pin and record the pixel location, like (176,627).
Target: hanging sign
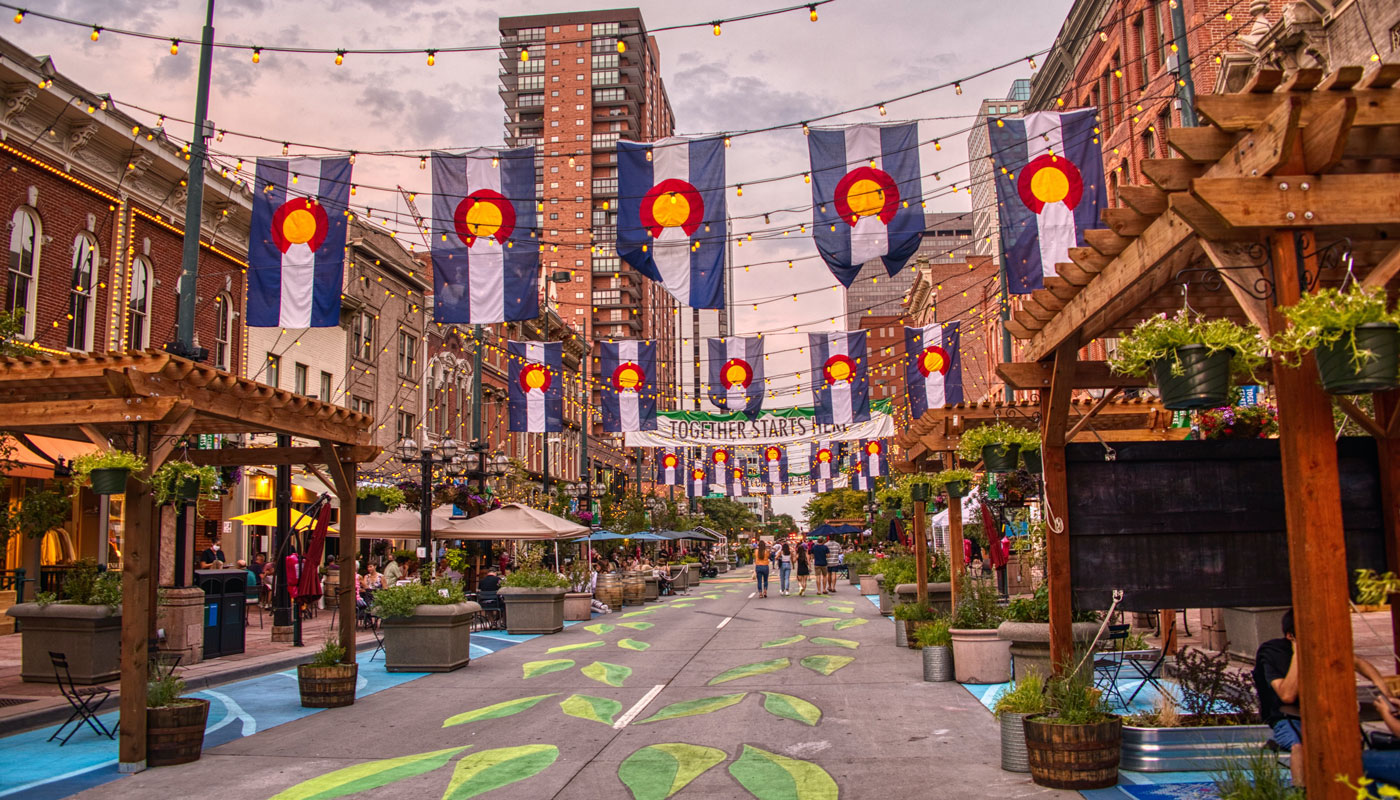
(771,426)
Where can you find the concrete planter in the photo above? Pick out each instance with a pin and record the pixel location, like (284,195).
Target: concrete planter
(940,595)
(90,636)
(1247,628)
(979,656)
(694,574)
(869,584)
(886,601)
(578,606)
(1030,643)
(530,610)
(434,639)
(1208,749)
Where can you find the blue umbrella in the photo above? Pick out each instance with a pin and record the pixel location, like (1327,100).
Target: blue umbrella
(647,537)
(602,536)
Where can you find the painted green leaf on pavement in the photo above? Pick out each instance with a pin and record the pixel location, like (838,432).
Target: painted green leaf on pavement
(789,707)
(784,641)
(603,672)
(637,626)
(366,776)
(841,609)
(769,776)
(481,772)
(817,621)
(639,613)
(658,771)
(632,644)
(691,708)
(830,642)
(750,670)
(563,648)
(496,711)
(848,623)
(681,605)
(825,665)
(598,709)
(816,602)
(599,628)
(534,669)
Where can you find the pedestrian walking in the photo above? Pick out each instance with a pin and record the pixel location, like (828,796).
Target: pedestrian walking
(819,555)
(760,568)
(784,568)
(804,568)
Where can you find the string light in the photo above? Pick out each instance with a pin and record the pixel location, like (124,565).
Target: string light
(257,55)
(174,47)
(219,137)
(717,30)
(882,109)
(937,145)
(621,46)
(285,148)
(957,86)
(19,16)
(339,57)
(352,156)
(524,54)
(1031,61)
(813,15)
(432,57)
(96,32)
(805,130)
(739,190)
(422,162)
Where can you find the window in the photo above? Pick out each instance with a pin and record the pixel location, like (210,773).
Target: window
(1141,28)
(406,426)
(325,394)
(605,61)
(1163,26)
(361,405)
(24,268)
(274,370)
(223,334)
(530,34)
(299,373)
(408,347)
(138,306)
(528,82)
(1149,144)
(531,100)
(362,336)
(605,77)
(82,297)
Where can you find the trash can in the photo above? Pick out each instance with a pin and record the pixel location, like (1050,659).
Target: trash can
(225,594)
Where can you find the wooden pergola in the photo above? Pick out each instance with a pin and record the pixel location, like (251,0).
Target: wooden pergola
(145,402)
(1292,182)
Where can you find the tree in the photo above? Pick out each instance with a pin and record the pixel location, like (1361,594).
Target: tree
(727,516)
(11,328)
(41,511)
(836,504)
(782,523)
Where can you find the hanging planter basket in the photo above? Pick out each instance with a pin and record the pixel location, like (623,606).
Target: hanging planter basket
(957,488)
(189,489)
(1032,461)
(109,481)
(1001,457)
(370,505)
(1340,374)
(1204,381)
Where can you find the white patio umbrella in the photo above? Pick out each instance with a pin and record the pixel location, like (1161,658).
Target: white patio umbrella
(404,523)
(512,521)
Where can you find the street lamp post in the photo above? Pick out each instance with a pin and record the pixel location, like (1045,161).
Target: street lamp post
(410,452)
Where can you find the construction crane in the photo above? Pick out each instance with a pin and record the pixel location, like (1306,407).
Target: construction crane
(417,217)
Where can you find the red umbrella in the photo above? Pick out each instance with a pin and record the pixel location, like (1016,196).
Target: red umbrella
(309,582)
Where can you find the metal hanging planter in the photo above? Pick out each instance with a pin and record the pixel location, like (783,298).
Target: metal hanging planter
(1377,371)
(188,489)
(370,505)
(1031,458)
(1001,457)
(109,480)
(1204,381)
(958,488)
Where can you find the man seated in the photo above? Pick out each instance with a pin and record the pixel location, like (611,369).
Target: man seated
(491,582)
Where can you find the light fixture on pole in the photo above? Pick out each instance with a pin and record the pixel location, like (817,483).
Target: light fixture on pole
(411,452)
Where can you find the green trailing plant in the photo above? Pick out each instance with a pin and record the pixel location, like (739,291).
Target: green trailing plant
(86,585)
(1373,589)
(935,634)
(1036,608)
(330,653)
(913,612)
(401,601)
(390,496)
(1071,699)
(84,464)
(1025,696)
(1261,777)
(167,481)
(948,476)
(1328,316)
(163,690)
(1157,338)
(977,607)
(1001,435)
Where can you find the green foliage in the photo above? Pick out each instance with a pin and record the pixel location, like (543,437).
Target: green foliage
(835,504)
(1001,434)
(532,574)
(330,653)
(1156,339)
(727,516)
(780,524)
(45,599)
(1210,687)
(935,634)
(11,329)
(168,479)
(400,601)
(41,511)
(858,563)
(1373,589)
(1262,778)
(948,476)
(913,612)
(164,689)
(1036,608)
(900,567)
(391,496)
(1328,316)
(977,608)
(1071,699)
(84,464)
(1025,696)
(88,586)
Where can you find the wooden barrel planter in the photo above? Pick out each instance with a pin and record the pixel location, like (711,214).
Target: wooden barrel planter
(634,590)
(1074,756)
(609,590)
(175,734)
(327,687)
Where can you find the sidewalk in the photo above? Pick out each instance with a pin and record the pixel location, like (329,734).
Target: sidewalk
(24,706)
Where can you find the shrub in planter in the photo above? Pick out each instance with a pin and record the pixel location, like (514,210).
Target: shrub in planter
(858,564)
(181,480)
(1024,698)
(1190,359)
(377,499)
(426,628)
(325,682)
(997,446)
(534,596)
(174,723)
(956,482)
(1075,745)
(85,625)
(1353,335)
(937,644)
(979,656)
(106,472)
(914,617)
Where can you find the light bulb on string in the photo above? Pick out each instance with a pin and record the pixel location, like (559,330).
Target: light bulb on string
(19,16)
(257,55)
(957,86)
(813,13)
(422,162)
(96,32)
(339,57)
(882,110)
(432,57)
(621,46)
(285,148)
(352,156)
(174,47)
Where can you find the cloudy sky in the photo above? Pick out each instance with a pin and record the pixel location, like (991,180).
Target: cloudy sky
(777,70)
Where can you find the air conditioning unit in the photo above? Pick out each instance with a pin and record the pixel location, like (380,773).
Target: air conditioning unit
(1173,63)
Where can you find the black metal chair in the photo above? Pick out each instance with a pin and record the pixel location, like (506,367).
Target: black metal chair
(86,701)
(493,608)
(1108,664)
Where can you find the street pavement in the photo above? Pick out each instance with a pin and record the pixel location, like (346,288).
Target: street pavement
(680,697)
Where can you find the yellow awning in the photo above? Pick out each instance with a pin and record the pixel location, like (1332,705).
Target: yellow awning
(268,517)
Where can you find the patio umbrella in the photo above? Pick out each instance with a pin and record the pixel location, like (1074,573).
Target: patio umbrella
(309,582)
(820,531)
(646,537)
(268,517)
(602,536)
(403,523)
(512,521)
(845,529)
(692,535)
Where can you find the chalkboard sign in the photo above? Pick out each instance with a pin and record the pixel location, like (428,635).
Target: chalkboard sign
(1201,524)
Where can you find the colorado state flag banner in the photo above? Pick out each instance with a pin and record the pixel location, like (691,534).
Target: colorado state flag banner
(826,460)
(486,265)
(860,479)
(696,484)
(866,196)
(671,221)
(872,458)
(839,386)
(736,373)
(1050,184)
(932,367)
(775,468)
(536,386)
(628,375)
(670,469)
(296,242)
(734,481)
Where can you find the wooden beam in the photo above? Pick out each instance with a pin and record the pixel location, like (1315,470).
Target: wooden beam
(1028,321)
(1047,299)
(343,483)
(138,577)
(1061,288)
(1125,221)
(1360,417)
(276,456)
(1302,80)
(1240,112)
(1383,271)
(1204,144)
(1106,241)
(1264,80)
(1083,419)
(111,411)
(1030,375)
(1089,259)
(1054,413)
(1372,199)
(1072,274)
(170,434)
(1018,330)
(1380,76)
(1171,174)
(1388,452)
(1235,267)
(1325,140)
(1341,79)
(1148,200)
(1203,220)
(96,437)
(1034,309)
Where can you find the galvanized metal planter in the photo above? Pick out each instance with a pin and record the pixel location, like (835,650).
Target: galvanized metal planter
(1013,743)
(1207,749)
(900,637)
(938,664)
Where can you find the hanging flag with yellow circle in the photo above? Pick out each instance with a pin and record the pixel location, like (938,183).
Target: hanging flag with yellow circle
(932,367)
(838,379)
(296,242)
(536,386)
(627,372)
(736,374)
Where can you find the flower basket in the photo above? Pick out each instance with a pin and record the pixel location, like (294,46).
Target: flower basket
(189,489)
(1031,458)
(1342,373)
(958,488)
(109,481)
(1204,380)
(1001,457)
(370,505)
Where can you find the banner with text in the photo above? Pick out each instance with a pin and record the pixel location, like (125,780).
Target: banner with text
(771,426)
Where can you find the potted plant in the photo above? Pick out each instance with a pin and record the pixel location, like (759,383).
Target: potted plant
(956,482)
(901,580)
(1190,359)
(181,480)
(534,596)
(578,601)
(1022,699)
(106,472)
(1352,334)
(1030,456)
(979,655)
(325,682)
(427,628)
(857,564)
(997,446)
(1075,743)
(85,626)
(174,723)
(1027,628)
(937,644)
(377,499)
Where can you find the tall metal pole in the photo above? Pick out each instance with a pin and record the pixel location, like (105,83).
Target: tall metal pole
(194,197)
(425,518)
(1005,317)
(1186,88)
(476,386)
(544,469)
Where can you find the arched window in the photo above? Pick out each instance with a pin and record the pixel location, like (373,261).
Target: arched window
(138,306)
(82,299)
(223,337)
(26,237)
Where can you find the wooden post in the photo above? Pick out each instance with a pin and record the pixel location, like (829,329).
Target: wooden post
(921,553)
(1313,511)
(1388,447)
(342,474)
(955,547)
(137,611)
(1054,416)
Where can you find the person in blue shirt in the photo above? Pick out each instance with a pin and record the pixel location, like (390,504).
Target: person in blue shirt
(820,552)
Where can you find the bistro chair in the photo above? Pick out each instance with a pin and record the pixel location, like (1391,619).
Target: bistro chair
(252,604)
(85,701)
(493,609)
(1108,664)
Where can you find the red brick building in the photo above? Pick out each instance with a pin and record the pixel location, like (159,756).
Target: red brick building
(966,293)
(884,346)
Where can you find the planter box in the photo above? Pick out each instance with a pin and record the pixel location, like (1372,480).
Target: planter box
(533,610)
(1248,627)
(578,606)
(434,639)
(327,687)
(1030,643)
(980,656)
(869,584)
(940,595)
(91,637)
(650,593)
(694,574)
(1208,749)
(175,734)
